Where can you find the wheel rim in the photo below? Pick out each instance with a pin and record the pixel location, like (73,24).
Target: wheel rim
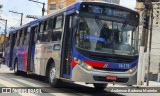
(52,74)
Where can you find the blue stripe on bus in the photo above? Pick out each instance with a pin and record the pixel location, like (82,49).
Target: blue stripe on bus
(112,65)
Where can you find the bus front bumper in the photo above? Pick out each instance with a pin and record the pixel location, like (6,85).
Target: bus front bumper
(80,74)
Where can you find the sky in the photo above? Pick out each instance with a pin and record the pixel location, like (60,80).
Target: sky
(31,8)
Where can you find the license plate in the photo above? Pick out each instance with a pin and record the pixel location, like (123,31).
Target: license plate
(111,78)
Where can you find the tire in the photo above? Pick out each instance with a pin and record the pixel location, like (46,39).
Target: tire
(53,81)
(16,71)
(99,86)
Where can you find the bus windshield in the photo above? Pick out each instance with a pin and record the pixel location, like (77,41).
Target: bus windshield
(107,36)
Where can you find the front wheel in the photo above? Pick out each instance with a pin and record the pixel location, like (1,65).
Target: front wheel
(53,81)
(99,86)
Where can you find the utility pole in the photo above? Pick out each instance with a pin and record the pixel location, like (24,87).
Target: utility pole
(20,14)
(43,8)
(144,40)
(150,43)
(143,48)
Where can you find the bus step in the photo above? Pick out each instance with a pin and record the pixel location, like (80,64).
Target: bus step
(29,72)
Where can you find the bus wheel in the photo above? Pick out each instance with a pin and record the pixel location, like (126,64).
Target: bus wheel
(16,71)
(53,81)
(99,86)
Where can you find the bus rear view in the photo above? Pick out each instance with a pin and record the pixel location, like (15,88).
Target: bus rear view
(105,45)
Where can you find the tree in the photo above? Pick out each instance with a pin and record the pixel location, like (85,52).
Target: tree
(1,6)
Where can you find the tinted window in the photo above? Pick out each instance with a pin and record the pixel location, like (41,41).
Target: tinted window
(59,22)
(26,34)
(57,31)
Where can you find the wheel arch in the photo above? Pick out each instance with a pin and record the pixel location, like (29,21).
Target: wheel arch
(15,60)
(49,62)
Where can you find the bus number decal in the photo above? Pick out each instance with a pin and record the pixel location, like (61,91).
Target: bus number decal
(124,66)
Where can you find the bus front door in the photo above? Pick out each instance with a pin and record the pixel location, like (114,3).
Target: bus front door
(66,49)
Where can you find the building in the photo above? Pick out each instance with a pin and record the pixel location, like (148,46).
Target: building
(54,5)
(2,37)
(155,49)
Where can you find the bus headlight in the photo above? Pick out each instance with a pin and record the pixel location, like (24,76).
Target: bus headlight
(132,69)
(88,67)
(83,64)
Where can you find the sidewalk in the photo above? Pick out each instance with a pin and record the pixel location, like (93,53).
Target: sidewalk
(152,84)
(4,69)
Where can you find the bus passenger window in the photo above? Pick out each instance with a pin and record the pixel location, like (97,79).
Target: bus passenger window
(50,24)
(57,30)
(40,32)
(8,40)
(45,33)
(59,22)
(25,36)
(35,36)
(22,37)
(15,40)
(18,38)
(56,36)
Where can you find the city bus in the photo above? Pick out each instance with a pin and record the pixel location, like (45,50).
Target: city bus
(91,42)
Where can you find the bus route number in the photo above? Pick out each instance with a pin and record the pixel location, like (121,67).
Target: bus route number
(124,66)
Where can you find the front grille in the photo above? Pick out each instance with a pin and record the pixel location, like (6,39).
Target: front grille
(109,69)
(112,59)
(120,80)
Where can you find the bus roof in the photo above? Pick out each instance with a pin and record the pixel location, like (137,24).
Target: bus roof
(67,8)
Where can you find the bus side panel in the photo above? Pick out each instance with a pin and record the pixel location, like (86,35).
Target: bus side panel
(22,57)
(38,58)
(7,57)
(14,56)
(41,59)
(54,54)
(43,52)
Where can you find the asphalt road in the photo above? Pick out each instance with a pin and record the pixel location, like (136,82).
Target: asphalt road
(8,79)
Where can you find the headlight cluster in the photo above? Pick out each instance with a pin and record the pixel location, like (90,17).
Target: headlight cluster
(83,64)
(132,70)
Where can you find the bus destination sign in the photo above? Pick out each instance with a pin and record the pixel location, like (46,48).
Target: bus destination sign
(105,11)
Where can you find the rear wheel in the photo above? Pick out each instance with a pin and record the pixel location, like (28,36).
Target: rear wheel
(16,71)
(53,81)
(99,86)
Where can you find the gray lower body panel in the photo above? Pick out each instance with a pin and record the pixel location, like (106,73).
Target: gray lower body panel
(80,74)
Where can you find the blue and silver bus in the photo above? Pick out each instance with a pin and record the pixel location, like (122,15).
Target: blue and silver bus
(91,42)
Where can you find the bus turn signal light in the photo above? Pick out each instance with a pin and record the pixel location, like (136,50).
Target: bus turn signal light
(75,59)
